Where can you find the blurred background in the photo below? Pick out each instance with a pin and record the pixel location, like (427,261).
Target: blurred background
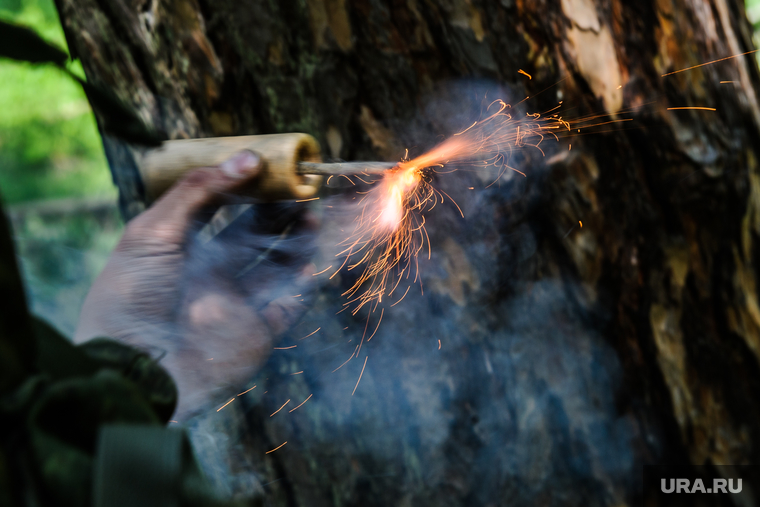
(54,181)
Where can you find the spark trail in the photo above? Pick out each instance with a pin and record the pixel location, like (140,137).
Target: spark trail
(389,231)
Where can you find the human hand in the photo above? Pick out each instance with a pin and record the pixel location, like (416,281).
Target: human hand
(200,304)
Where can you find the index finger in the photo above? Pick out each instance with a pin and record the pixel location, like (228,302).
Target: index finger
(173,214)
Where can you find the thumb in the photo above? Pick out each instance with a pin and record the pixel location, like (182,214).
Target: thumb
(172,216)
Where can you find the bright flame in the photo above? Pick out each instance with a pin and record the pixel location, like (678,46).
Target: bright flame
(399,184)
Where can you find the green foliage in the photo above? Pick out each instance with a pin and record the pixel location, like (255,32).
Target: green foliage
(49,144)
(753,14)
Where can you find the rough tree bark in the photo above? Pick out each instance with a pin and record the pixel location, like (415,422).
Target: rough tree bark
(567,359)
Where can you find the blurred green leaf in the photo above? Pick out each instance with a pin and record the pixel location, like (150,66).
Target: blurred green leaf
(23,44)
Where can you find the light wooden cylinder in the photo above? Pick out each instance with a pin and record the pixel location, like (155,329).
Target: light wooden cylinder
(281,153)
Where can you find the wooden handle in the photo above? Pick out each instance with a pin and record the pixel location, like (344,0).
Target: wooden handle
(281,153)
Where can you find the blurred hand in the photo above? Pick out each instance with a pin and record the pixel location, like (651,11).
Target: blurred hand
(212,317)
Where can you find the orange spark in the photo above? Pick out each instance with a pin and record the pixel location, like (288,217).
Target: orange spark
(283,406)
(304,401)
(231,400)
(310,334)
(347,360)
(297,373)
(285,348)
(581,224)
(439,344)
(692,107)
(285,442)
(710,63)
(307,200)
(360,375)
(524,73)
(378,324)
(241,394)
(323,271)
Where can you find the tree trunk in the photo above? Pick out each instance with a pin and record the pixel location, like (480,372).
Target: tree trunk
(569,356)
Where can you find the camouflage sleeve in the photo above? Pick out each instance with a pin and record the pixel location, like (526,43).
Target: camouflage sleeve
(88,428)
(82,422)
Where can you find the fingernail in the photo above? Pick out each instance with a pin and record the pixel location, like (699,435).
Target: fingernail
(242,164)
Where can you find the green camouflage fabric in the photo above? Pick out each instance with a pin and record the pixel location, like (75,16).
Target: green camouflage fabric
(84,419)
